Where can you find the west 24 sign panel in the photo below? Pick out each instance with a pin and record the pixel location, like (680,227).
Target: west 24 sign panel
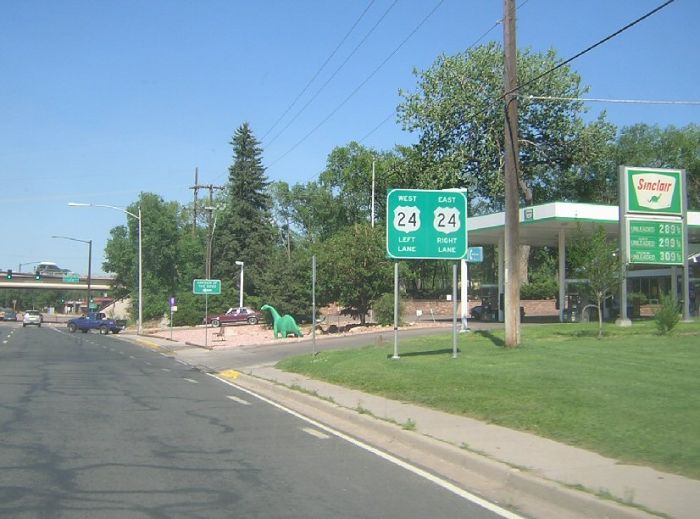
(426,224)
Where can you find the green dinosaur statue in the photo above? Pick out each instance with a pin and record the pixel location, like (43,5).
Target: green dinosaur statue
(285,324)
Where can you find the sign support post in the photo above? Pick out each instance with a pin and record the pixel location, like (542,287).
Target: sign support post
(396,311)
(206,287)
(454,309)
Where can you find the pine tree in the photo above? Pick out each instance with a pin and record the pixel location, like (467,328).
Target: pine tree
(245,231)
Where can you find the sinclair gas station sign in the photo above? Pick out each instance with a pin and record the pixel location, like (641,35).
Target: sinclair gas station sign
(654,191)
(653,223)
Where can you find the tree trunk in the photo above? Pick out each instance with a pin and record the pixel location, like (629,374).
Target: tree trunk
(600,319)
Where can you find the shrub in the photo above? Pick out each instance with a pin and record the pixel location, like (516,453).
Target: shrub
(384,309)
(668,314)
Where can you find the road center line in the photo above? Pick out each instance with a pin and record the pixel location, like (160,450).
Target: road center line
(236,399)
(315,433)
(191,380)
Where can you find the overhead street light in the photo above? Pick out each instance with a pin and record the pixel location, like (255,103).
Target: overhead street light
(138,217)
(89,279)
(240,300)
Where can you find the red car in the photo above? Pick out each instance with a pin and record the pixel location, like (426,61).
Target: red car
(243,315)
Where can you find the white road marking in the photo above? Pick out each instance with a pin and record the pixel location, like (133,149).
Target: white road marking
(131,357)
(236,399)
(315,433)
(507,514)
(164,369)
(191,380)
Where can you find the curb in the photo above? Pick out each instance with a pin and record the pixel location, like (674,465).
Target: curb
(494,480)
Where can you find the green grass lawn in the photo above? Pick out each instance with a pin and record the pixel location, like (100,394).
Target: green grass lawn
(634,395)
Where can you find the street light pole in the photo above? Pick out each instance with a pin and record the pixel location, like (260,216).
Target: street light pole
(240,300)
(89,279)
(138,217)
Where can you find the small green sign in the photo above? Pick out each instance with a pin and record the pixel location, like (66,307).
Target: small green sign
(654,191)
(426,224)
(71,278)
(655,242)
(206,287)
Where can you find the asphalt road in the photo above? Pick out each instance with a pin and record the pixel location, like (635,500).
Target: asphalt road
(92,426)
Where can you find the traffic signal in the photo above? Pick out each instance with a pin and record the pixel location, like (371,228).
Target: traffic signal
(9,274)
(37,276)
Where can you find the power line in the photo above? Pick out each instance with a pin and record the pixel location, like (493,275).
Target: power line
(588,49)
(357,89)
(476,42)
(569,60)
(330,56)
(335,72)
(606,100)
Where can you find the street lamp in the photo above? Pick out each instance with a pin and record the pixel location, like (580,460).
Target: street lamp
(138,217)
(89,242)
(240,300)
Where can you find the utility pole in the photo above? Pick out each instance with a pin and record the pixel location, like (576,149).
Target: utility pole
(210,233)
(511,152)
(195,188)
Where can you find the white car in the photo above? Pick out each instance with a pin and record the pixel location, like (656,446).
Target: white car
(32,317)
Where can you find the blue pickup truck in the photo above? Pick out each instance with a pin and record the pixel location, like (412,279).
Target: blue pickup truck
(96,321)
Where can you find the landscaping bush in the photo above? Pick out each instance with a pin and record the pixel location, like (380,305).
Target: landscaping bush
(384,309)
(668,314)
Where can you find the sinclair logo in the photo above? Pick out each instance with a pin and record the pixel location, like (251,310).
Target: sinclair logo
(654,191)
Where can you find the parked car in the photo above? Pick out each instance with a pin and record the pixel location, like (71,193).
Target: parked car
(243,315)
(10,315)
(32,317)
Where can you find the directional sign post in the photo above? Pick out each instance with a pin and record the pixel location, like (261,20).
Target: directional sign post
(426,224)
(210,287)
(71,278)
(206,287)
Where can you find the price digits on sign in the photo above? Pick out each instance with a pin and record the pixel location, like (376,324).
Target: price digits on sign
(669,228)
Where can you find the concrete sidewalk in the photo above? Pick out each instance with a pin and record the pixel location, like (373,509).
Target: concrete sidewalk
(524,458)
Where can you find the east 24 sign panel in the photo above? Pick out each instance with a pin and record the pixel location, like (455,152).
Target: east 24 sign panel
(426,224)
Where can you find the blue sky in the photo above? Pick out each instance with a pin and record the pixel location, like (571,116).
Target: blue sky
(100,100)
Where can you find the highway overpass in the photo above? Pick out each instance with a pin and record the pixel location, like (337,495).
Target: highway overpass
(27,280)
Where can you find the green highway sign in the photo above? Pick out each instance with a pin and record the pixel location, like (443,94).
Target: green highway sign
(210,287)
(655,242)
(71,278)
(426,224)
